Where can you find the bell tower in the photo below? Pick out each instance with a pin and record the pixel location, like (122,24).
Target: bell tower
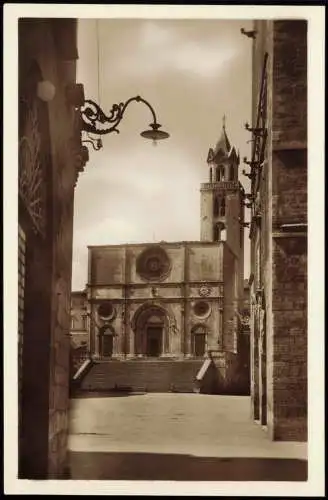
(222,199)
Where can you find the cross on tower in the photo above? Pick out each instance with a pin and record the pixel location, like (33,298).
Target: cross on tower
(224,121)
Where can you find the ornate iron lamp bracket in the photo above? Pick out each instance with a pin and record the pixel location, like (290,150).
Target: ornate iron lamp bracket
(95,121)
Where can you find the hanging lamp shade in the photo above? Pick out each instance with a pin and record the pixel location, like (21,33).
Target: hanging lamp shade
(154,133)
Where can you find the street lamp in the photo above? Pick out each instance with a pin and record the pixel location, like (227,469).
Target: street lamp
(95,121)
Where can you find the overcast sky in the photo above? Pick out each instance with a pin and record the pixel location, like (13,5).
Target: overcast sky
(192,72)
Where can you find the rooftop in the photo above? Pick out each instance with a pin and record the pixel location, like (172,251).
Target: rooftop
(161,243)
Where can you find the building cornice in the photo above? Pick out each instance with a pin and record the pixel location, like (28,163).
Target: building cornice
(175,284)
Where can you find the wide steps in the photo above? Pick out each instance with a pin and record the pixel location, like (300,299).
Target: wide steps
(142,375)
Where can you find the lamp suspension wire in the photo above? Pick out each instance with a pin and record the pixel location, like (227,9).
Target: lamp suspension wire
(98,60)
(98,79)
(98,66)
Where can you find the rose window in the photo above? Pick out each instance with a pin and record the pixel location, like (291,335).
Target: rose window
(106,311)
(202,309)
(153,264)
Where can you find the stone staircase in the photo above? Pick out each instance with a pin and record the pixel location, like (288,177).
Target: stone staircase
(146,375)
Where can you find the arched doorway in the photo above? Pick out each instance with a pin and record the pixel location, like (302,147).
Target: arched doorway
(151,325)
(154,336)
(106,341)
(199,340)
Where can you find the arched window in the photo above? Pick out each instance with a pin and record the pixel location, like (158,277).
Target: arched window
(220,173)
(232,173)
(84,321)
(219,232)
(222,208)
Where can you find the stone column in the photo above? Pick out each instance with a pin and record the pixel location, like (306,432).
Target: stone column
(262,370)
(130,334)
(97,341)
(254,365)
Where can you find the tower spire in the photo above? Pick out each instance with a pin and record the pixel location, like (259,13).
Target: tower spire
(224,118)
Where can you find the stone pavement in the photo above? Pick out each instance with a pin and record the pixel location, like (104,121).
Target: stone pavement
(176,437)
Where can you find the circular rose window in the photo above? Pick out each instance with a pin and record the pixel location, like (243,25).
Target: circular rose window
(202,309)
(106,310)
(153,264)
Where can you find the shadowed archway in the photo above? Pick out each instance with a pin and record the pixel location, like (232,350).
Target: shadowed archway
(106,341)
(151,325)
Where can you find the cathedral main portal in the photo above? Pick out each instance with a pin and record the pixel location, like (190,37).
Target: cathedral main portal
(151,332)
(154,341)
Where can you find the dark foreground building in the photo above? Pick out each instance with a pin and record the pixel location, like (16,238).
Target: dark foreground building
(278,282)
(50,156)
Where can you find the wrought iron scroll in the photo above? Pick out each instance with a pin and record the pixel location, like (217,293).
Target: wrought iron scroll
(259,139)
(95,121)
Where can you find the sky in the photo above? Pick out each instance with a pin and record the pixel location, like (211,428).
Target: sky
(192,72)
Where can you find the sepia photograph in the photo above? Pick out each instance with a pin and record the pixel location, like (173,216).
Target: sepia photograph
(163,310)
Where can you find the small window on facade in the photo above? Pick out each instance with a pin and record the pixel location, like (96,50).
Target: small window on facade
(221,173)
(222,207)
(216,207)
(84,322)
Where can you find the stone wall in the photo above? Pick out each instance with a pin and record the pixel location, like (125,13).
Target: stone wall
(50,46)
(279,264)
(289,252)
(21,294)
(230,318)
(79,320)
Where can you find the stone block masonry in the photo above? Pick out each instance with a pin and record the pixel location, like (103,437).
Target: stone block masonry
(279,241)
(289,252)
(47,51)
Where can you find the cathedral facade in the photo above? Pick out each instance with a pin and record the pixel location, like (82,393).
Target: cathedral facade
(159,300)
(174,299)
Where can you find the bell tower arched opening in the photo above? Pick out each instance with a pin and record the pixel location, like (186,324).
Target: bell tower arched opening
(219,232)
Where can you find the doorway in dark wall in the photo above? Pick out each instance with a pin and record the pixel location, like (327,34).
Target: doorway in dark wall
(154,341)
(107,345)
(199,344)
